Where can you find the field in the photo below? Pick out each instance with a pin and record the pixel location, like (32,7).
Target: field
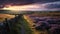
(27,22)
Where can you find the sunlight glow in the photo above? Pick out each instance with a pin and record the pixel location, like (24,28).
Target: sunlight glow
(23,8)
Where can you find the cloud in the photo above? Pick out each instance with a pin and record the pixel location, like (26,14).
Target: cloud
(45,1)
(16,1)
(25,1)
(52,5)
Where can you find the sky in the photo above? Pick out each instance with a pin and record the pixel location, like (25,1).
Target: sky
(32,4)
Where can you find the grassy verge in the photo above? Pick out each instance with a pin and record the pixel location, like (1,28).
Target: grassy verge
(25,24)
(20,22)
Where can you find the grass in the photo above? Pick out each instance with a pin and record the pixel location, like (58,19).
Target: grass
(25,23)
(16,27)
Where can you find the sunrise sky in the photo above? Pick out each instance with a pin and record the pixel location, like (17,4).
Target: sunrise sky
(37,5)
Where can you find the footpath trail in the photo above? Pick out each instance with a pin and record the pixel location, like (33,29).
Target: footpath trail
(31,26)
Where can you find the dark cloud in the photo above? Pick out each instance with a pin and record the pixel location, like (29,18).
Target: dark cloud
(53,5)
(45,1)
(16,1)
(25,1)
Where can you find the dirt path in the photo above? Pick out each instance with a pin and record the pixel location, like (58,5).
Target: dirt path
(31,24)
